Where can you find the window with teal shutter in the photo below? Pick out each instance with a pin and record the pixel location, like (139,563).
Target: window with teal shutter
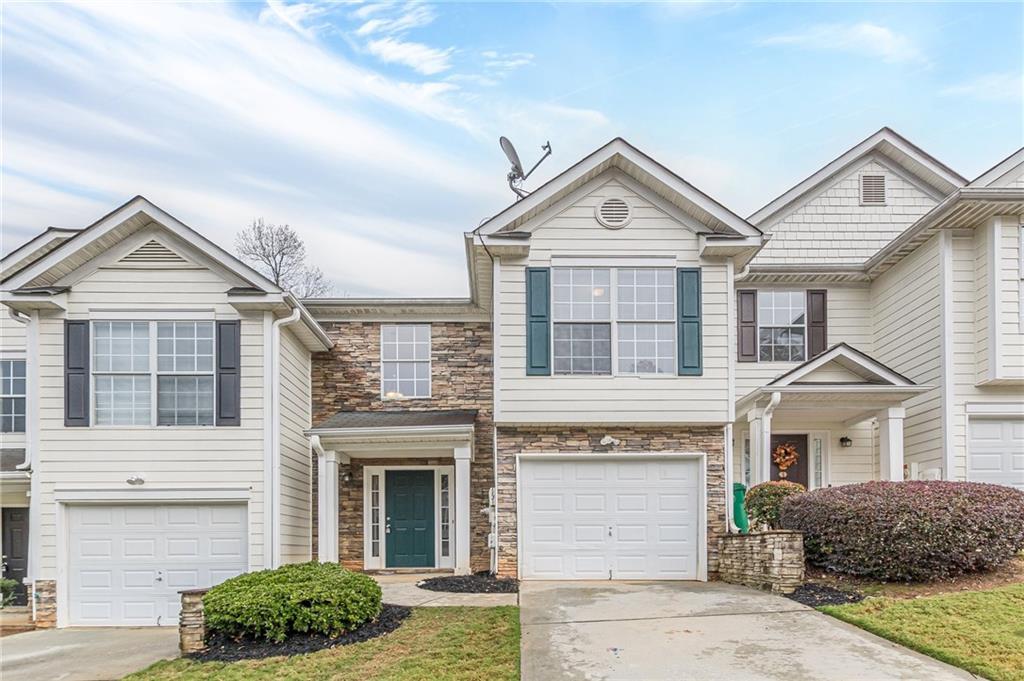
(691,362)
(538,321)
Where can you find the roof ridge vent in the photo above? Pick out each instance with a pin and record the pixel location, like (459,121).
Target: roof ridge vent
(614,212)
(153,251)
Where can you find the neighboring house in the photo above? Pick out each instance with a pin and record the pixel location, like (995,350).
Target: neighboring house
(630,347)
(166,393)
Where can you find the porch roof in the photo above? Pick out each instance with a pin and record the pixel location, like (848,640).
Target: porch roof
(841,383)
(425,433)
(397,419)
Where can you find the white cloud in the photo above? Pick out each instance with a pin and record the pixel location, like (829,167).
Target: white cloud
(992,87)
(863,38)
(496,61)
(408,17)
(293,16)
(422,58)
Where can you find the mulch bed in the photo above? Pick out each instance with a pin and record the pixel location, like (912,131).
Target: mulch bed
(225,649)
(480,583)
(819,594)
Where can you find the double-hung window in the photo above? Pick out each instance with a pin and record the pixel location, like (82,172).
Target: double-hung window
(12,396)
(153,373)
(405,360)
(620,319)
(782,326)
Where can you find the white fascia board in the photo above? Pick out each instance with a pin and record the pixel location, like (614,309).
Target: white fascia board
(841,351)
(340,434)
(847,159)
(618,147)
(996,172)
(133,207)
(37,243)
(25,302)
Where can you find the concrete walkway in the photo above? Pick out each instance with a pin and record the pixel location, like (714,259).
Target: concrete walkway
(84,654)
(697,631)
(401,589)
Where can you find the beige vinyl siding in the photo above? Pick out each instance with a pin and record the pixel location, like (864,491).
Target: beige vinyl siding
(296,465)
(102,458)
(1011,331)
(907,325)
(981,250)
(574,232)
(832,227)
(849,321)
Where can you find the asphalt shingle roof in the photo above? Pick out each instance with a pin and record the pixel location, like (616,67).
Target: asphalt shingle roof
(399,419)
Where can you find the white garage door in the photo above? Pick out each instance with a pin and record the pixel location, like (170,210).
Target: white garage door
(610,519)
(128,563)
(996,451)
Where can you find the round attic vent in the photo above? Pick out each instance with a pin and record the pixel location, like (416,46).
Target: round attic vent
(614,213)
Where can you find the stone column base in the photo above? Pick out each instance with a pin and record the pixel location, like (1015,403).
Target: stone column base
(192,622)
(44,593)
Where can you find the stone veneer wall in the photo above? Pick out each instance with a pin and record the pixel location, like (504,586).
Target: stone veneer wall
(44,591)
(772,560)
(192,622)
(347,378)
(513,440)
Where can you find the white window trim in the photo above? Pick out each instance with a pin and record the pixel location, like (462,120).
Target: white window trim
(757,331)
(440,562)
(614,321)
(429,360)
(154,374)
(17,357)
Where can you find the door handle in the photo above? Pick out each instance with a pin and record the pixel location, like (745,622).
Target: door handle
(609,530)
(159,575)
(387,528)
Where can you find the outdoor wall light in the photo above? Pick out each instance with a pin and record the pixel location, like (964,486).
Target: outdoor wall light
(844,441)
(137,479)
(346,477)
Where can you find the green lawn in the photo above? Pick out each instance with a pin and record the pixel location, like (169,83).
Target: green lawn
(980,631)
(464,644)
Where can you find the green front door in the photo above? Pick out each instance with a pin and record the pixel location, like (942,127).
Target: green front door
(409,517)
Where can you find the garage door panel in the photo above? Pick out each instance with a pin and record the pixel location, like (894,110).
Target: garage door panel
(624,519)
(127,563)
(995,451)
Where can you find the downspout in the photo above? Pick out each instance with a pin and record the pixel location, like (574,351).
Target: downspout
(31,325)
(275,434)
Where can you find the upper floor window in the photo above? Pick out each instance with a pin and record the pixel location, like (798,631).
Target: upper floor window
(613,317)
(782,326)
(153,373)
(12,396)
(405,360)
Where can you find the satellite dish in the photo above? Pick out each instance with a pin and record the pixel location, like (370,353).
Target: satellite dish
(516,176)
(513,157)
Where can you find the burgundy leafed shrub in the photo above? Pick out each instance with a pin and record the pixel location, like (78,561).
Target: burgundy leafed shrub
(763,502)
(908,531)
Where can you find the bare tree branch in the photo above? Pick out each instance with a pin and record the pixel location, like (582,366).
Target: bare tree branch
(278,253)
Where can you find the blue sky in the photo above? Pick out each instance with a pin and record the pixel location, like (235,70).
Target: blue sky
(372,128)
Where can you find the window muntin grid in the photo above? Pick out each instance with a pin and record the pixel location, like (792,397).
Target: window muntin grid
(375,516)
(13,388)
(405,361)
(445,515)
(782,326)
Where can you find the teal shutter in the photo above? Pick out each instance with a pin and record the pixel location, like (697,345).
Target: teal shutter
(538,321)
(691,362)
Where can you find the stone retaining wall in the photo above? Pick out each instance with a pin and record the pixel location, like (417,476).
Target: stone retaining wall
(772,560)
(192,622)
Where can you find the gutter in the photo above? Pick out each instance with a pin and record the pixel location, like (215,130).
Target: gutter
(275,433)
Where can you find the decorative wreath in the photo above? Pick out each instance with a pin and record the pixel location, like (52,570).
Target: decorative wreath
(785,455)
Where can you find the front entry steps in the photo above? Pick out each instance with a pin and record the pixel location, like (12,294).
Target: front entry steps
(433,572)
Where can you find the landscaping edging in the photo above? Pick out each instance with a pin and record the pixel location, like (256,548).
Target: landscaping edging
(772,560)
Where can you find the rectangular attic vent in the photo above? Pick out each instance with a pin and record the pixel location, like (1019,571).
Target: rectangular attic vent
(872,190)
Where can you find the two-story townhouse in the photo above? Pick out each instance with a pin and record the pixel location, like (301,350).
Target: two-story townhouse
(885,259)
(156,392)
(629,347)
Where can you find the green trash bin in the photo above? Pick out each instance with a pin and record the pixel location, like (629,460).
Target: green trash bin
(739,511)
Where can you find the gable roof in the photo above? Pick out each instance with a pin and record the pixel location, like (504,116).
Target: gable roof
(622,155)
(850,359)
(112,228)
(887,143)
(993,175)
(33,249)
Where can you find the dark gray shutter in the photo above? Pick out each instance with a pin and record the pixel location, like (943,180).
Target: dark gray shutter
(76,373)
(691,361)
(817,322)
(538,321)
(229,370)
(746,323)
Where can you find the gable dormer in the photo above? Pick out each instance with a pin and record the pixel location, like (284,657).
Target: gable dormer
(855,205)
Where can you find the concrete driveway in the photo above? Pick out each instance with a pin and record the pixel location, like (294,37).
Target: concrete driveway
(694,630)
(95,654)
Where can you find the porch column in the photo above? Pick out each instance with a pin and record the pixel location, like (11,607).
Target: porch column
(462,533)
(760,422)
(890,441)
(327,506)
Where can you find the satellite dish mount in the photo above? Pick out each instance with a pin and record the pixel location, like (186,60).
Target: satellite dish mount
(516,176)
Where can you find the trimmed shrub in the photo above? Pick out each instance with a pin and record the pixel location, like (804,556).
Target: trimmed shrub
(321,598)
(7,589)
(763,502)
(909,531)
